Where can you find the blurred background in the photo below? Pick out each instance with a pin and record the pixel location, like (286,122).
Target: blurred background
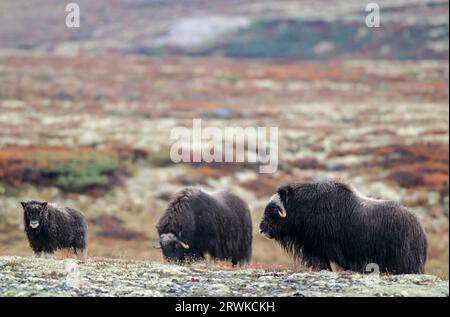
(86,113)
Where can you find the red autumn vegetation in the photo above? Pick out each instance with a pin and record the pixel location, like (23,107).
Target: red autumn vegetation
(418,165)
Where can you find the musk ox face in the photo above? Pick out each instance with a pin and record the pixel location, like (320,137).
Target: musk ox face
(173,248)
(275,215)
(34,212)
(285,206)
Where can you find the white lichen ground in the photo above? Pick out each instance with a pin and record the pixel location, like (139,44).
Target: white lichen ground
(20,276)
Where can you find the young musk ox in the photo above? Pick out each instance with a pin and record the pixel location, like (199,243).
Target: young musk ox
(197,223)
(50,227)
(328,225)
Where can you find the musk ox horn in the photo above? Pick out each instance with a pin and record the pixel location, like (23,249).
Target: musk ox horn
(282,213)
(184,245)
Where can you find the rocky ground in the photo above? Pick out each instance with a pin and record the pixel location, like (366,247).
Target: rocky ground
(21,276)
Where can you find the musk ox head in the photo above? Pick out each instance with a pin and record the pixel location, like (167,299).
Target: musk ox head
(276,214)
(295,205)
(172,247)
(34,213)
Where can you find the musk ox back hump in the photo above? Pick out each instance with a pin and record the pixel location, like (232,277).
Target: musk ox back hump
(218,224)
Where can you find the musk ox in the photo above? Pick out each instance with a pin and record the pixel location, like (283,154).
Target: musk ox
(329,225)
(197,223)
(50,227)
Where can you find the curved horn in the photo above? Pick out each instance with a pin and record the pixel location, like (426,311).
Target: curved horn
(282,213)
(184,245)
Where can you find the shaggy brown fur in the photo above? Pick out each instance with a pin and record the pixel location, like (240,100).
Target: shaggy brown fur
(50,227)
(328,224)
(197,223)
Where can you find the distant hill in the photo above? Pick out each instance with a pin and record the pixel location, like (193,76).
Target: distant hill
(321,39)
(287,29)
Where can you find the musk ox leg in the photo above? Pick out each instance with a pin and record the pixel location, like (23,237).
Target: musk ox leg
(81,253)
(48,255)
(37,251)
(315,262)
(239,261)
(79,246)
(335,267)
(209,260)
(85,254)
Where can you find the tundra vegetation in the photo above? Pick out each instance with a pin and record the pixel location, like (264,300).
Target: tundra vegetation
(376,147)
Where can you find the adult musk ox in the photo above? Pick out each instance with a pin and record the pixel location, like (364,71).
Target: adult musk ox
(328,225)
(197,223)
(50,227)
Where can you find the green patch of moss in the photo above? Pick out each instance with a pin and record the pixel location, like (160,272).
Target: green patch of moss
(80,172)
(160,160)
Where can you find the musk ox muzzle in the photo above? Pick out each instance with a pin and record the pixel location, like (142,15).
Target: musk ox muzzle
(169,238)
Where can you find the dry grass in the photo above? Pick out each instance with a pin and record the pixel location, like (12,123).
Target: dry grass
(53,275)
